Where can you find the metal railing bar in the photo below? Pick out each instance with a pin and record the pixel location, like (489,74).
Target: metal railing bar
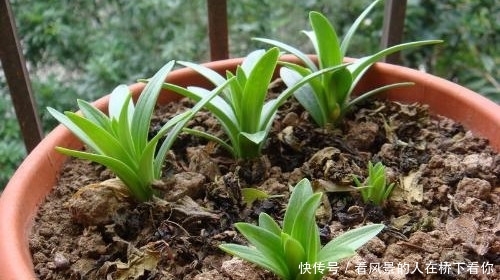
(393,27)
(17,78)
(217,29)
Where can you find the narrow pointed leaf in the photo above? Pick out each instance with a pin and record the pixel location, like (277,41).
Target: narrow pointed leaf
(306,95)
(361,65)
(254,256)
(327,40)
(350,240)
(289,91)
(79,133)
(105,142)
(257,137)
(373,92)
(218,106)
(123,132)
(95,115)
(265,221)
(266,242)
(209,137)
(335,255)
(348,36)
(145,106)
(294,254)
(306,216)
(173,127)
(302,56)
(300,194)
(119,102)
(251,60)
(339,85)
(137,187)
(208,73)
(180,123)
(255,90)
(314,243)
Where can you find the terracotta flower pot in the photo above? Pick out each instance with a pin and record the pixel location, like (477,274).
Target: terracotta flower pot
(38,173)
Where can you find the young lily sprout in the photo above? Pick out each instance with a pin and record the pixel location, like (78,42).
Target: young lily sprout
(283,249)
(327,98)
(120,141)
(375,188)
(242,109)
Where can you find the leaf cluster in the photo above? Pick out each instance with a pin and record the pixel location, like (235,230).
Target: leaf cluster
(328,98)
(283,249)
(375,188)
(242,109)
(120,141)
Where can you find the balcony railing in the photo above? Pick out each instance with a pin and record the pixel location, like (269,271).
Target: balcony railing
(14,65)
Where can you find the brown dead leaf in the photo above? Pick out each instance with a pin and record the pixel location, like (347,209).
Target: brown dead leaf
(329,186)
(409,189)
(140,260)
(401,221)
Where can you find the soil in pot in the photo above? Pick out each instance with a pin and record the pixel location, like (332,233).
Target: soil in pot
(442,220)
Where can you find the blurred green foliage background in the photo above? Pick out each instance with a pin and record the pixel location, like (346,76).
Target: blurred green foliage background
(83,49)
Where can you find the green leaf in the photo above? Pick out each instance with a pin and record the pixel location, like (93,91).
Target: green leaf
(294,254)
(250,195)
(180,122)
(336,255)
(313,245)
(217,105)
(349,242)
(266,242)
(266,222)
(210,137)
(139,189)
(123,131)
(255,90)
(257,137)
(315,83)
(338,88)
(254,256)
(105,142)
(234,95)
(290,90)
(119,102)
(95,115)
(306,216)
(250,63)
(82,135)
(302,56)
(328,47)
(145,106)
(208,73)
(299,196)
(309,96)
(348,36)
(375,189)
(361,65)
(388,191)
(373,92)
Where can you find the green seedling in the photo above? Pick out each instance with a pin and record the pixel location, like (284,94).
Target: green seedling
(120,141)
(282,250)
(327,98)
(242,109)
(250,195)
(375,188)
